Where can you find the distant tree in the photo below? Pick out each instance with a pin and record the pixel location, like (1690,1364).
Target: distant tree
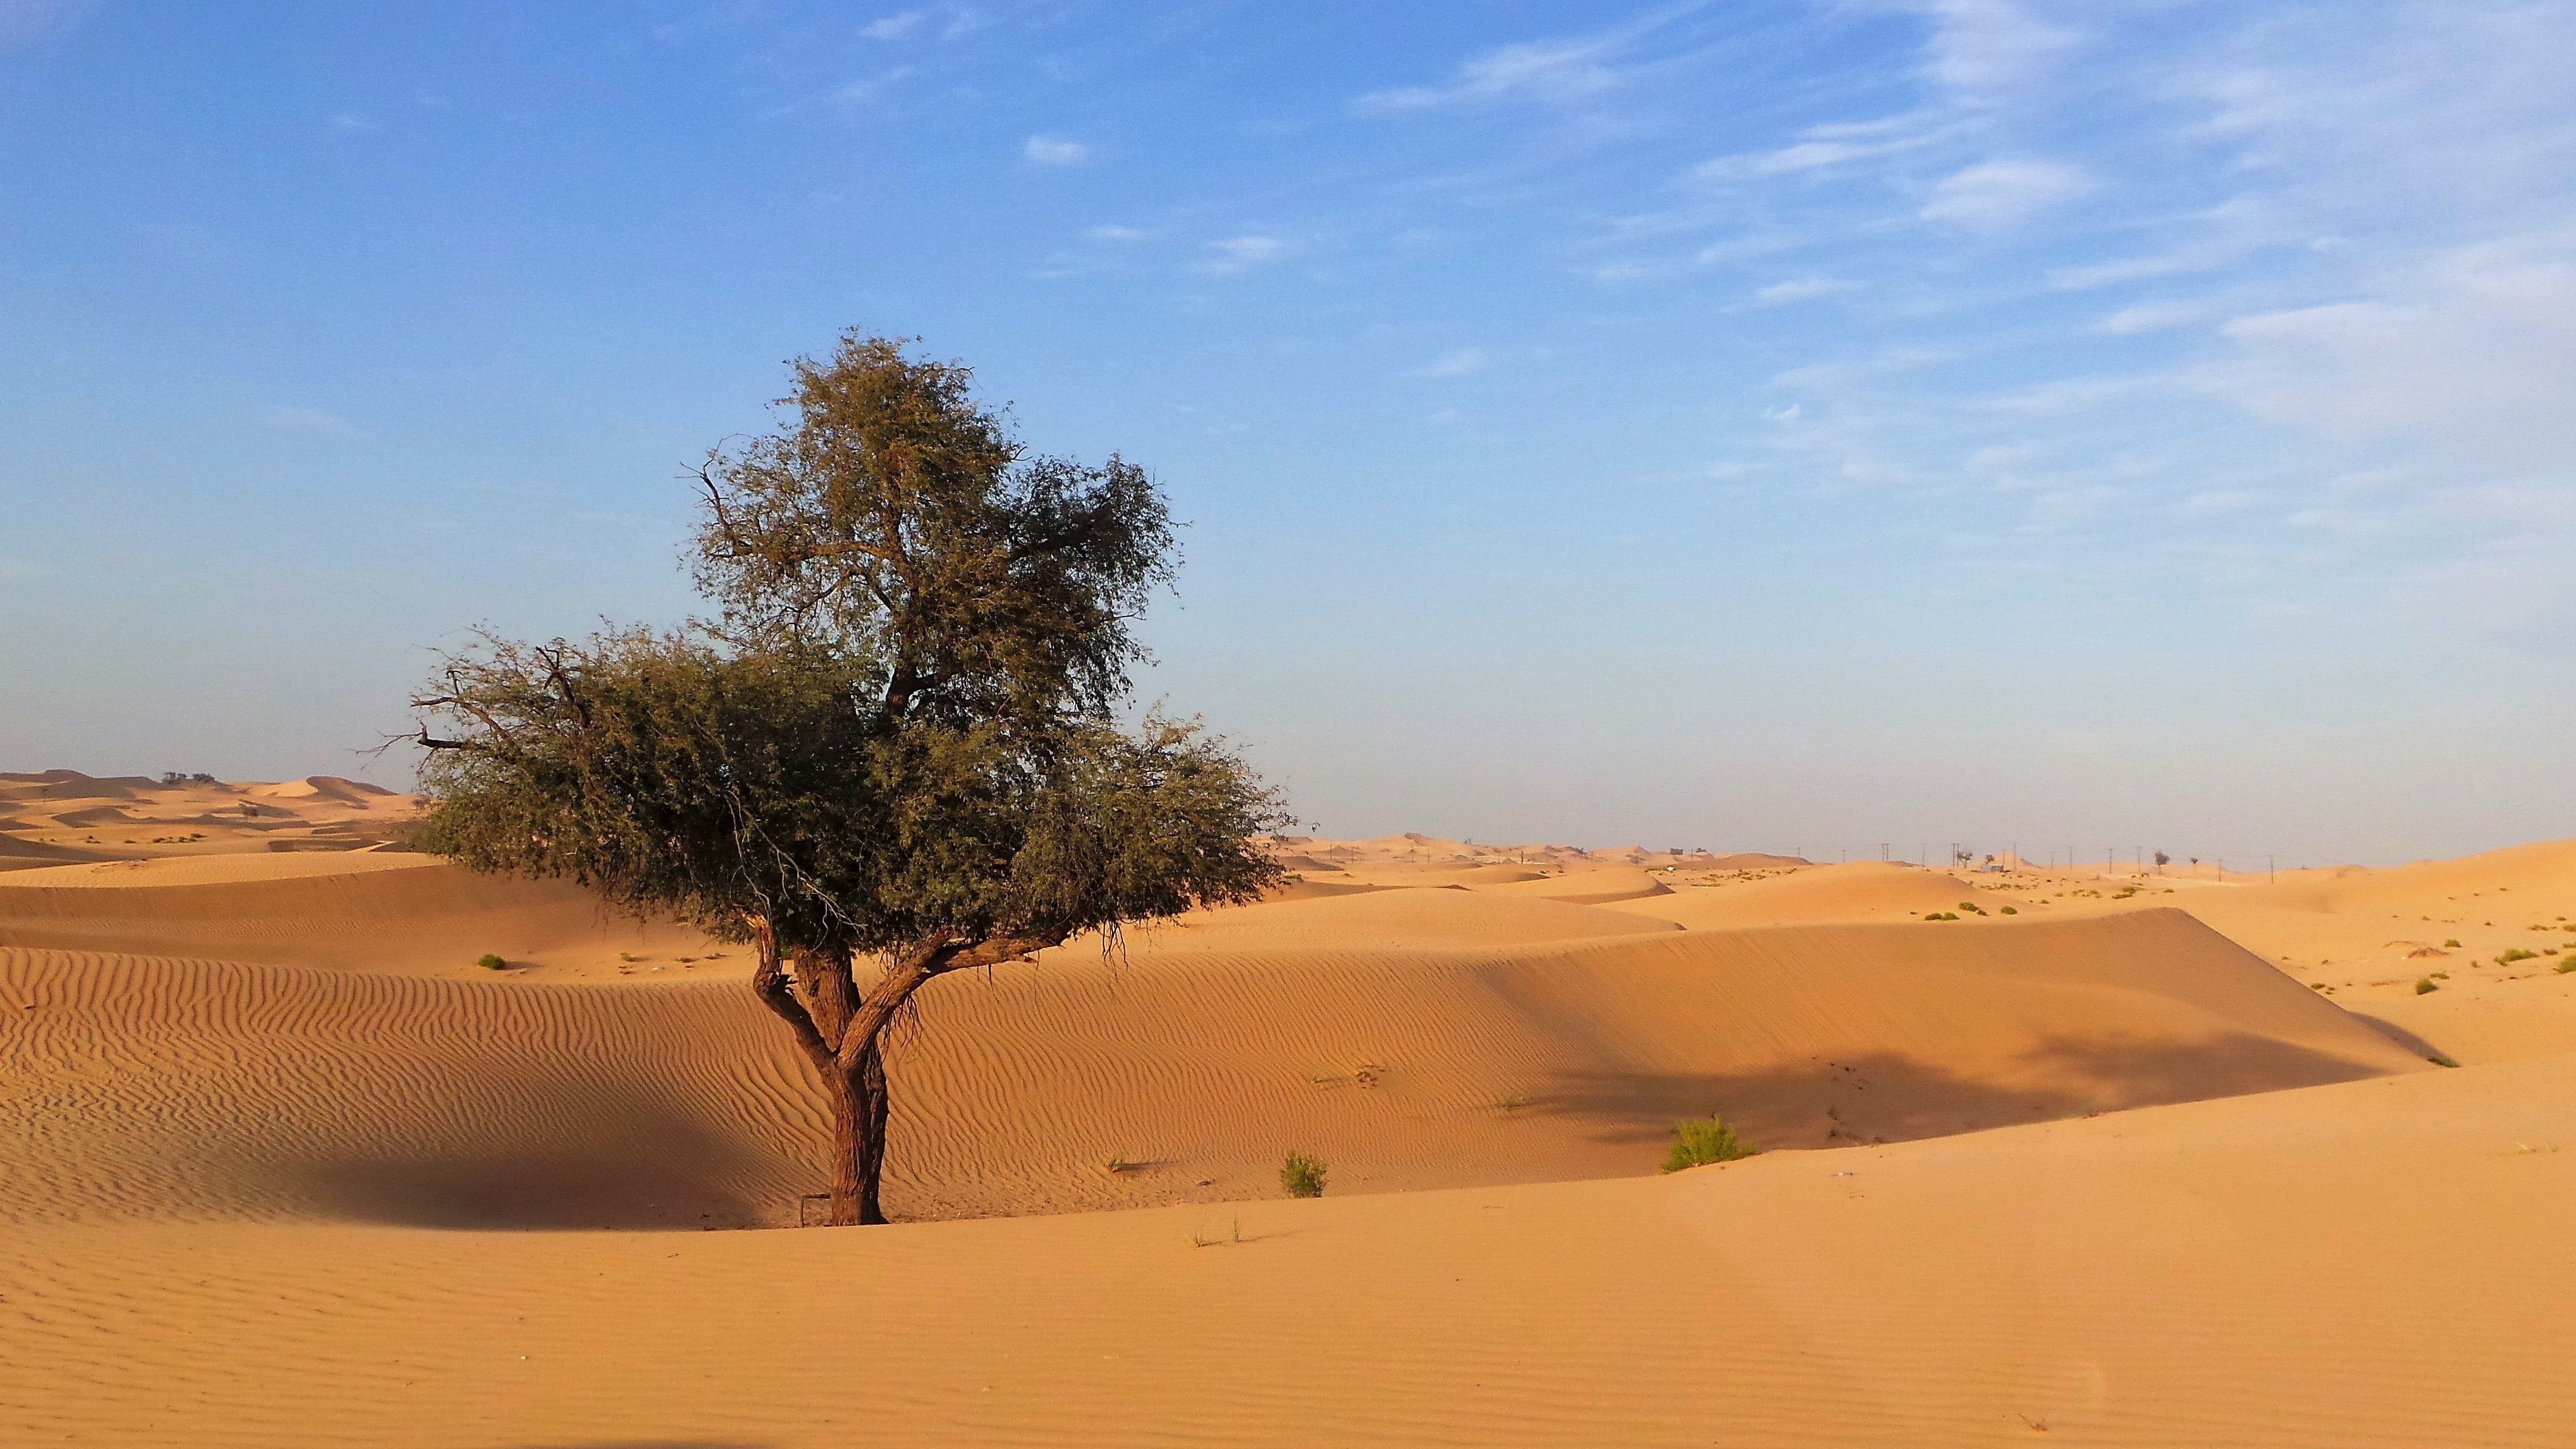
(895,742)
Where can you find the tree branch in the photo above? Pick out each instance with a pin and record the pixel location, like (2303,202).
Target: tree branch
(769,983)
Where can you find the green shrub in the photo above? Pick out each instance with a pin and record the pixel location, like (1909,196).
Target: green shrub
(1698,1142)
(2453,943)
(2424,984)
(2566,966)
(2440,1060)
(490,962)
(1303,1176)
(2516,954)
(2011,911)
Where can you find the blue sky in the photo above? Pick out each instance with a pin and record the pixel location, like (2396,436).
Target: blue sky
(1763,424)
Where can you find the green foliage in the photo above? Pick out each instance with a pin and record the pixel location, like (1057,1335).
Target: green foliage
(2424,984)
(2440,1060)
(2453,943)
(1941,916)
(1699,1141)
(2565,966)
(2011,911)
(490,962)
(899,728)
(1302,1176)
(2515,954)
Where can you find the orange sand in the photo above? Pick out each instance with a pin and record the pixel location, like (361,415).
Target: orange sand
(2108,1170)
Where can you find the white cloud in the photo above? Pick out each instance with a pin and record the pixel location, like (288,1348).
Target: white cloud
(860,92)
(1113,232)
(1996,195)
(1980,47)
(897,26)
(1805,289)
(2471,359)
(1552,71)
(1239,254)
(2129,321)
(1055,151)
(351,121)
(1459,362)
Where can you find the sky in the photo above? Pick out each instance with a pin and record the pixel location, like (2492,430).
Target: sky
(1780,424)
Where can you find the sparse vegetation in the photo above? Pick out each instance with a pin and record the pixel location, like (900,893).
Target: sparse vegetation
(2563,967)
(2453,943)
(1699,1141)
(1302,1176)
(2424,984)
(2440,1060)
(490,962)
(2011,910)
(2516,954)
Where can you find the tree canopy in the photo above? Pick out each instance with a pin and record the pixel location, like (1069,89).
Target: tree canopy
(896,740)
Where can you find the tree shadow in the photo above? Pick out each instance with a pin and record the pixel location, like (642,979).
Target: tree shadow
(601,1156)
(1887,1097)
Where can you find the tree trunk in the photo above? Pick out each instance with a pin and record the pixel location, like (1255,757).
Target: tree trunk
(860,1107)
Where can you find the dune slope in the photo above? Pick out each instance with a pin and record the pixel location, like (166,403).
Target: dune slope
(2376,1263)
(161,1086)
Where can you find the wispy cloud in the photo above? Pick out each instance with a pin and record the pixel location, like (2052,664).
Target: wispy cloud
(1055,151)
(901,25)
(351,121)
(1239,254)
(1459,362)
(1804,289)
(1996,195)
(1113,232)
(1546,70)
(1980,48)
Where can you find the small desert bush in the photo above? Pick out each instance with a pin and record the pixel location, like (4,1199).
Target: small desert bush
(490,962)
(2011,911)
(2440,1060)
(1302,1176)
(2565,966)
(1699,1141)
(2424,984)
(2453,943)
(2516,954)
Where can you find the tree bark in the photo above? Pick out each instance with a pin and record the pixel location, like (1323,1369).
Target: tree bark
(841,1030)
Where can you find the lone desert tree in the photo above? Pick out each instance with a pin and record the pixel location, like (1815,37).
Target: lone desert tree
(895,742)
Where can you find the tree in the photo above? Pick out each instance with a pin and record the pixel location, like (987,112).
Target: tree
(896,741)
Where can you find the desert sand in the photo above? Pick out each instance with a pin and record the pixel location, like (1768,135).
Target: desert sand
(2114,1158)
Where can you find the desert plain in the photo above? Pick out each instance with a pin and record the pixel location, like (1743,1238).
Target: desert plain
(2085,1154)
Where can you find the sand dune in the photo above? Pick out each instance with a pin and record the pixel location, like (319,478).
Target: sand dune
(210,1089)
(279,1141)
(401,913)
(1863,891)
(132,816)
(2376,1263)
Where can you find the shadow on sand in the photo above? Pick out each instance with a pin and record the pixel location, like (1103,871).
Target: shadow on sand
(1892,1098)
